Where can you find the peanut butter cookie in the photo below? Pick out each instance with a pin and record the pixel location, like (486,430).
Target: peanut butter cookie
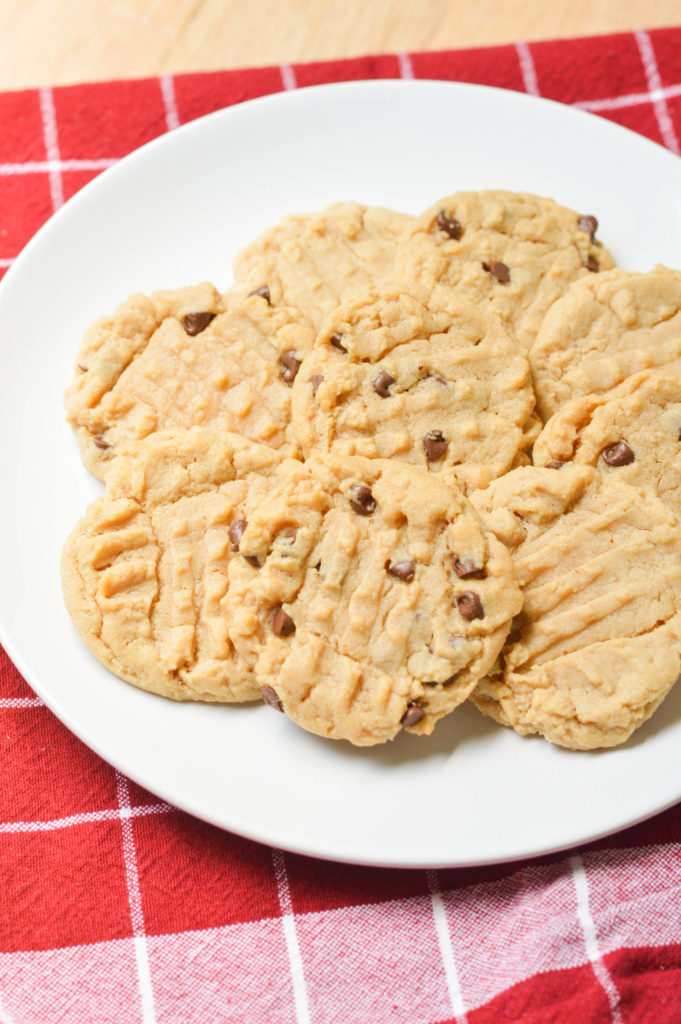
(145,571)
(597,645)
(184,358)
(511,252)
(315,261)
(427,379)
(368,598)
(606,328)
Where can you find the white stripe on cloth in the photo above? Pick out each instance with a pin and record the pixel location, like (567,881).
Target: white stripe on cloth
(84,818)
(405,65)
(507,930)
(527,68)
(446,951)
(291,936)
(585,919)
(169,101)
(19,702)
(635,894)
(288,76)
(51,140)
(55,166)
(135,901)
(651,69)
(632,99)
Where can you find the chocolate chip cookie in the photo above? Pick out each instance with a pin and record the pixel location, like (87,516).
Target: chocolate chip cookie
(511,252)
(368,597)
(185,358)
(315,261)
(145,571)
(597,645)
(606,328)
(424,378)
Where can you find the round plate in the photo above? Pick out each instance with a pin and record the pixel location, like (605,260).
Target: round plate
(174,213)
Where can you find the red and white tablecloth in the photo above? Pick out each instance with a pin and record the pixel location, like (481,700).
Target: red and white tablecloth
(117,909)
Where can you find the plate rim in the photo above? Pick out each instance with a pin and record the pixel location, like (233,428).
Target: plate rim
(287,95)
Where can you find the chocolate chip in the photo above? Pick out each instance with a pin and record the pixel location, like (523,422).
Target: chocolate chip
(264,292)
(271,698)
(466,568)
(194,323)
(282,623)
(236,532)
(289,365)
(83,369)
(404,571)
(588,223)
(412,715)
(593,265)
(337,341)
(470,606)
(449,224)
(362,500)
(381,384)
(445,682)
(619,454)
(498,270)
(435,445)
(99,442)
(554,464)
(315,380)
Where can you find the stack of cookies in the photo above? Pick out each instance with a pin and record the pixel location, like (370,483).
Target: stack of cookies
(400,463)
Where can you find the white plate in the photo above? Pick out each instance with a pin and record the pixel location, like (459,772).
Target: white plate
(175,212)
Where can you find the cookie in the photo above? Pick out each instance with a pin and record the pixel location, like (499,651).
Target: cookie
(315,261)
(632,432)
(184,358)
(605,329)
(145,571)
(427,379)
(369,598)
(597,645)
(510,252)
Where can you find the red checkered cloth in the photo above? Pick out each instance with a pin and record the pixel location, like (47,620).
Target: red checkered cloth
(118,909)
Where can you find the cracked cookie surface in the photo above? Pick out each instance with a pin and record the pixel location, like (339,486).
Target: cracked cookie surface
(597,645)
(145,571)
(368,598)
(424,378)
(177,359)
(315,261)
(511,252)
(632,433)
(605,329)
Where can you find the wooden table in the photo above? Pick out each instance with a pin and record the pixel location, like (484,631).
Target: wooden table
(53,41)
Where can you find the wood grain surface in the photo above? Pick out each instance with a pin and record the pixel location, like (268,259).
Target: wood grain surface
(55,41)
